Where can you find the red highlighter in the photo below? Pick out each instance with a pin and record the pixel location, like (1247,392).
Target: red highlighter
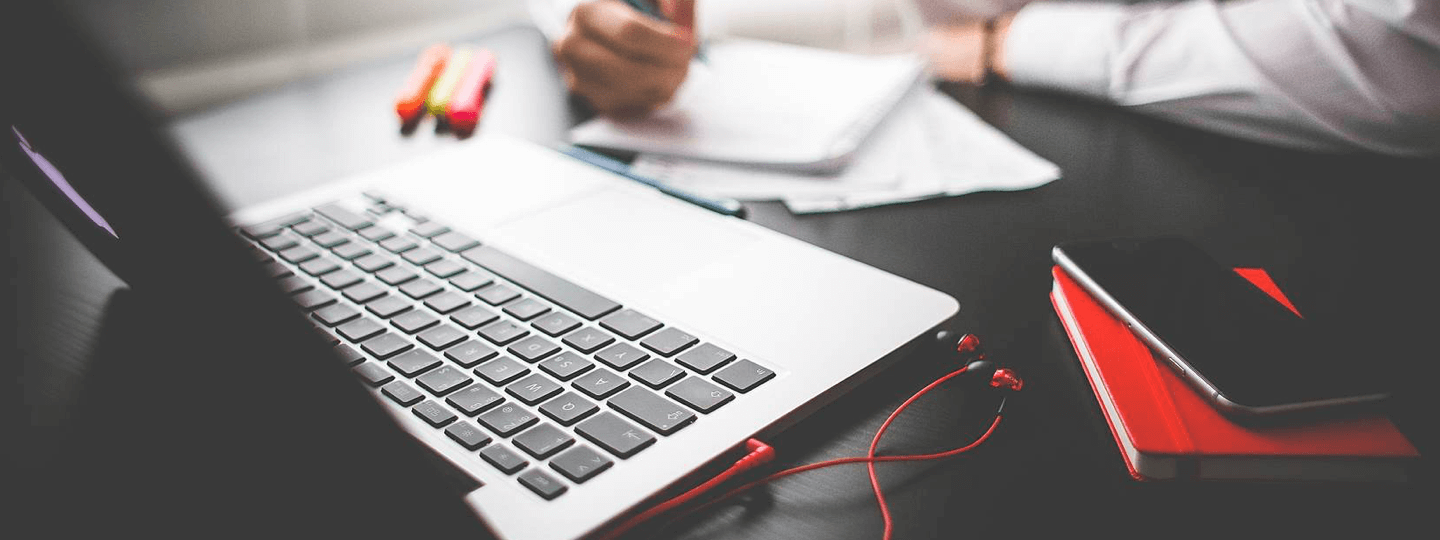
(410,102)
(469,97)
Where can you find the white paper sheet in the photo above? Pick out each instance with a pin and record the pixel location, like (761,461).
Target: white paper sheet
(930,147)
(768,104)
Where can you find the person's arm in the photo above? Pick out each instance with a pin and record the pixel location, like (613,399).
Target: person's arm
(1315,74)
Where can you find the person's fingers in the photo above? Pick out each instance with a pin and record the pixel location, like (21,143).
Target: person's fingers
(680,12)
(633,34)
(613,83)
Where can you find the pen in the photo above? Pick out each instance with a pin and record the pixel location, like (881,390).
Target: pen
(728,207)
(649,8)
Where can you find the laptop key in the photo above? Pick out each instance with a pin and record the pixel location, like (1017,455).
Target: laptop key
(364,292)
(588,339)
(699,394)
(374,263)
(276,270)
(421,256)
(373,374)
(705,358)
(543,440)
(434,413)
(507,419)
(399,244)
(615,435)
(653,411)
(348,354)
(600,383)
(336,314)
(350,251)
(428,229)
(376,234)
(386,345)
(341,279)
(471,280)
(568,408)
(580,464)
(309,228)
(441,337)
(402,393)
(473,317)
(630,323)
(470,352)
(419,288)
(298,254)
(503,332)
(396,275)
(497,294)
(319,266)
(330,239)
(414,362)
(280,242)
(501,370)
(474,399)
(566,365)
(443,380)
(533,389)
(444,268)
(547,285)
(669,341)
(533,349)
(744,375)
(295,284)
(657,373)
(556,324)
(622,356)
(446,302)
(388,306)
(526,309)
(343,217)
(414,321)
(469,436)
(504,459)
(309,300)
(359,330)
(261,231)
(454,242)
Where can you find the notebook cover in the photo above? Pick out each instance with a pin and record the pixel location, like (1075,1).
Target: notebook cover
(1177,434)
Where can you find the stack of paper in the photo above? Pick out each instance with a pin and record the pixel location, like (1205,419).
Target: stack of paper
(821,131)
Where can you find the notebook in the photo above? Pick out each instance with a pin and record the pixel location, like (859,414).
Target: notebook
(1166,430)
(767,104)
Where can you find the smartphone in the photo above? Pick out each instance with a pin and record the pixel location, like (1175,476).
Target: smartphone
(1243,350)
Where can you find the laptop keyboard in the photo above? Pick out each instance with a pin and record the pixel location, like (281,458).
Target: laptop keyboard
(510,361)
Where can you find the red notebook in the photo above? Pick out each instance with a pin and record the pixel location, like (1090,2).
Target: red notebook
(1167,431)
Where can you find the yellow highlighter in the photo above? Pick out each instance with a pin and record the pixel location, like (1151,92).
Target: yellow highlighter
(439,101)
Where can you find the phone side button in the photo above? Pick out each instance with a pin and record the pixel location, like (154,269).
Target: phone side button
(1177,364)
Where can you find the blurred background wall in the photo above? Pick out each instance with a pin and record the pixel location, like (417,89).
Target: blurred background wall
(191,54)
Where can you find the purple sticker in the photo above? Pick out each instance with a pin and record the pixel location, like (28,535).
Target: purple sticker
(60,182)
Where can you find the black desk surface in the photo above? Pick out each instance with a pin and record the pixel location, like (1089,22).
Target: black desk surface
(1346,237)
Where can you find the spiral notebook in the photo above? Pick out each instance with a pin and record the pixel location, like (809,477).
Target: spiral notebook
(769,105)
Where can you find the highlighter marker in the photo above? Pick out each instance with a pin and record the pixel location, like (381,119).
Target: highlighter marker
(410,102)
(469,96)
(440,94)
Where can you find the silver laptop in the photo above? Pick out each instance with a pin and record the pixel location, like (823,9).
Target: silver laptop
(572,339)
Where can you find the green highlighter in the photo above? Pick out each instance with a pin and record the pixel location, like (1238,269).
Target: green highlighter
(438,102)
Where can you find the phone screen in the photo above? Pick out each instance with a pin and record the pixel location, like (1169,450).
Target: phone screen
(1253,350)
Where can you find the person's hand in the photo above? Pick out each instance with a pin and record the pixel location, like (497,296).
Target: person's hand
(958,51)
(626,63)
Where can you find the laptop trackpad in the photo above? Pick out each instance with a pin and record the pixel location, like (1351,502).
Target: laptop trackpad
(620,242)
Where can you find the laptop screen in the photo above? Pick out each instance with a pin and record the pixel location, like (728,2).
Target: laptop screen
(212,406)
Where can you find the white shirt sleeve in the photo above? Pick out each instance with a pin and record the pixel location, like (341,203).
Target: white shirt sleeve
(1331,75)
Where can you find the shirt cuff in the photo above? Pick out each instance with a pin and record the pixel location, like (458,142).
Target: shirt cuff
(1064,46)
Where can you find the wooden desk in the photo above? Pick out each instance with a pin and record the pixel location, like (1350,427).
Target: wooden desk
(1347,237)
